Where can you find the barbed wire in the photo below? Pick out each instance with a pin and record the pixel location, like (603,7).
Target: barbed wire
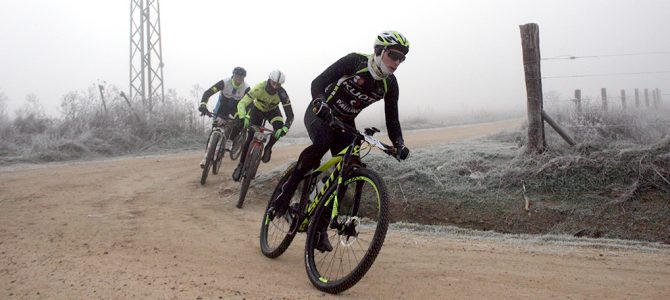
(573,57)
(614,125)
(606,74)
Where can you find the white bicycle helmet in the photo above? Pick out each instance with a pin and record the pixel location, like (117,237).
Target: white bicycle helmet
(277,76)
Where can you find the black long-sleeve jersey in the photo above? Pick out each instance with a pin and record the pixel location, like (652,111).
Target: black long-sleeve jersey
(348,88)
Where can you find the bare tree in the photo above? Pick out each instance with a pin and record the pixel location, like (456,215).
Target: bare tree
(3,106)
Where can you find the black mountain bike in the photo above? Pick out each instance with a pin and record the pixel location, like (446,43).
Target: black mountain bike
(351,201)
(253,159)
(216,145)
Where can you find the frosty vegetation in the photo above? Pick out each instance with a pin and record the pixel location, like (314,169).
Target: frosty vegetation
(95,124)
(615,182)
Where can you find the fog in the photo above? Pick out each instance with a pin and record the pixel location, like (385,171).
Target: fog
(465,56)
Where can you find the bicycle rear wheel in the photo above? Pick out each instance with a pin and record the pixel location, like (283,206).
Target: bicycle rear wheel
(252,161)
(362,222)
(278,233)
(211,149)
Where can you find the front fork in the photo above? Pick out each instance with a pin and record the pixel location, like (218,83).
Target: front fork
(350,223)
(219,144)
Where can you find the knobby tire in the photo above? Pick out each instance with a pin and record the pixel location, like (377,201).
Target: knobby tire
(211,149)
(357,177)
(252,160)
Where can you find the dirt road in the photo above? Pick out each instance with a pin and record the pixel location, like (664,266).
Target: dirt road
(146,228)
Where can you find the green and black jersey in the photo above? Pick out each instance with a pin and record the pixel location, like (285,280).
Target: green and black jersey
(265,100)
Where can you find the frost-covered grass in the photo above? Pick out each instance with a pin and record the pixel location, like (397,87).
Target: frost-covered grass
(615,182)
(91,127)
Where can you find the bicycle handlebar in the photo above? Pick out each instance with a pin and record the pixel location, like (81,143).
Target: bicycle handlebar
(388,149)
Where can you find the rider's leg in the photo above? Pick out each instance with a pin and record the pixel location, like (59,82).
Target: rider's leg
(229,108)
(277,122)
(322,137)
(322,242)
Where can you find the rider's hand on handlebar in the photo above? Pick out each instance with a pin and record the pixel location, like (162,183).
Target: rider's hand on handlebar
(321,109)
(281,132)
(203,109)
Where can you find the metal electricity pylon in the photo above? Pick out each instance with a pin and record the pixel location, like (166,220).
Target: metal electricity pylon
(146,53)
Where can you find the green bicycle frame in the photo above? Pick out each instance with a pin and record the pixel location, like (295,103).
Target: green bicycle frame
(337,161)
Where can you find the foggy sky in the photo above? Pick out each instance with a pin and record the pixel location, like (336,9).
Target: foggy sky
(465,56)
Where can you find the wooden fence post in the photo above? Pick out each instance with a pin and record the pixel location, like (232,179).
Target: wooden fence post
(102,98)
(660,97)
(578,100)
(530,43)
(637,97)
(646,98)
(654,98)
(623,99)
(603,94)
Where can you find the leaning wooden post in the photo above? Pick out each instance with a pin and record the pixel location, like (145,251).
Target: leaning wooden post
(603,94)
(578,100)
(530,43)
(646,98)
(558,129)
(637,97)
(623,99)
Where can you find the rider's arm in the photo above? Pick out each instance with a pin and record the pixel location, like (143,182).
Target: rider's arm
(248,98)
(391,111)
(211,91)
(286,103)
(344,66)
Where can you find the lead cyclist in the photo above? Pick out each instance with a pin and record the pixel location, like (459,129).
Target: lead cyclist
(342,91)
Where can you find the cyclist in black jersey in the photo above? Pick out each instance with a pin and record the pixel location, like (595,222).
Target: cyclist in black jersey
(342,91)
(231,91)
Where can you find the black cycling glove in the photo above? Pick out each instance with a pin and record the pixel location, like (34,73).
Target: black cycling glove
(321,109)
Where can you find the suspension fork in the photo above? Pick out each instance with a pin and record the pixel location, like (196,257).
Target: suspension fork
(339,189)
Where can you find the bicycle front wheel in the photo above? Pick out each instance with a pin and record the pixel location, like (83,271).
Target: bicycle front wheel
(252,160)
(237,145)
(356,236)
(218,160)
(211,149)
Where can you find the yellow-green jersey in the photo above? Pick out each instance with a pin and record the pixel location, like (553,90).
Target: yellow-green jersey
(266,100)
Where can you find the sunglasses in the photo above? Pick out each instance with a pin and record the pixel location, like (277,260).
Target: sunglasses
(395,55)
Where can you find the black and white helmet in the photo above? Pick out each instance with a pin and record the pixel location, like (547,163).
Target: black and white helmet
(240,71)
(277,76)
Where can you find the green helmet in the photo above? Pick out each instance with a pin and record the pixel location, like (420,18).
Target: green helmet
(392,39)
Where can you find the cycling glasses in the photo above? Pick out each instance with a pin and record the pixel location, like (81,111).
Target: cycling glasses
(274,84)
(396,55)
